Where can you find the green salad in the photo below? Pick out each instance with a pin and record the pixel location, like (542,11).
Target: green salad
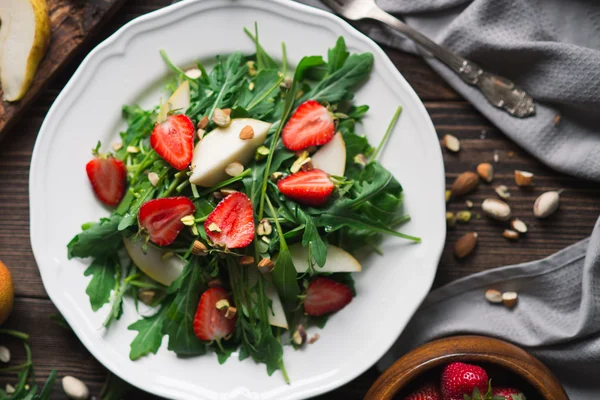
(236,205)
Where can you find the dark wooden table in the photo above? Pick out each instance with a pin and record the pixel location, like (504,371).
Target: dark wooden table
(56,348)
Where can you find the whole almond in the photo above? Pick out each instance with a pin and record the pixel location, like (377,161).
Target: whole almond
(496,209)
(486,172)
(451,143)
(518,225)
(247,133)
(464,183)
(493,296)
(510,234)
(523,178)
(465,245)
(546,204)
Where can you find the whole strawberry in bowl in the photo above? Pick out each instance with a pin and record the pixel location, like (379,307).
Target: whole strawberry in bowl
(467,368)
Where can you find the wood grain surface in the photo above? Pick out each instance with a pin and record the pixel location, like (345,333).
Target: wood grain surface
(72,23)
(54,347)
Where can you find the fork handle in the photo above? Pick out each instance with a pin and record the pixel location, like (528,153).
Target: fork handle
(499,91)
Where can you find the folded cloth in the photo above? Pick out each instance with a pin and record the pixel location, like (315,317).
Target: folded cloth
(557,317)
(551,48)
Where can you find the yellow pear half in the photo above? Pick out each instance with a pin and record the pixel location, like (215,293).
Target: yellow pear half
(24,37)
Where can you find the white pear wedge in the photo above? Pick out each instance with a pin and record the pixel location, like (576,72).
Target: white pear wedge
(179,100)
(338,260)
(223,146)
(24,37)
(151,262)
(331,158)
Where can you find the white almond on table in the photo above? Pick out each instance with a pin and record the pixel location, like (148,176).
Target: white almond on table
(74,388)
(496,209)
(546,204)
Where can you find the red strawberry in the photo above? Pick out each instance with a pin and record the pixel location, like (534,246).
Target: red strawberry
(508,393)
(210,323)
(161,218)
(459,379)
(310,125)
(173,140)
(108,177)
(325,296)
(231,223)
(312,188)
(429,391)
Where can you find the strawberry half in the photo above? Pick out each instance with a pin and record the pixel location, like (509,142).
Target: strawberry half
(108,177)
(311,188)
(209,322)
(173,140)
(161,218)
(460,379)
(325,296)
(429,391)
(508,393)
(231,223)
(310,125)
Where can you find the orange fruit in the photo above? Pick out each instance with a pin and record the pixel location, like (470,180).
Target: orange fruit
(7,293)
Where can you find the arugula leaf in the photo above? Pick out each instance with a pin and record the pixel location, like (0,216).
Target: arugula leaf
(336,57)
(333,222)
(336,86)
(103,281)
(150,334)
(311,237)
(263,60)
(259,101)
(284,274)
(226,79)
(178,324)
(100,240)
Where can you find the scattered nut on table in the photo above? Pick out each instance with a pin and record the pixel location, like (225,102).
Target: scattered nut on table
(493,296)
(486,172)
(509,299)
(546,204)
(523,178)
(451,143)
(464,183)
(74,388)
(496,209)
(465,244)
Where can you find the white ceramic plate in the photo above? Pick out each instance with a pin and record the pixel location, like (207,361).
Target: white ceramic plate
(127,68)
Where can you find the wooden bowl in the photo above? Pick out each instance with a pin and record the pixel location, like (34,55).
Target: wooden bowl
(474,349)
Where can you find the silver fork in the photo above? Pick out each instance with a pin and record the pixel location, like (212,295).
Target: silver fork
(499,91)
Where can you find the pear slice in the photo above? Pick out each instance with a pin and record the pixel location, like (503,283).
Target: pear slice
(338,260)
(24,37)
(331,158)
(179,100)
(151,262)
(223,146)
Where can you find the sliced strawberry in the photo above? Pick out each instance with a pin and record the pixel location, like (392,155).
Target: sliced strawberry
(108,177)
(161,218)
(173,140)
(209,322)
(310,125)
(312,188)
(325,296)
(429,391)
(231,223)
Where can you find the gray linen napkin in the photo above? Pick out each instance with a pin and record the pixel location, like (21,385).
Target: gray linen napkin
(551,48)
(557,317)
